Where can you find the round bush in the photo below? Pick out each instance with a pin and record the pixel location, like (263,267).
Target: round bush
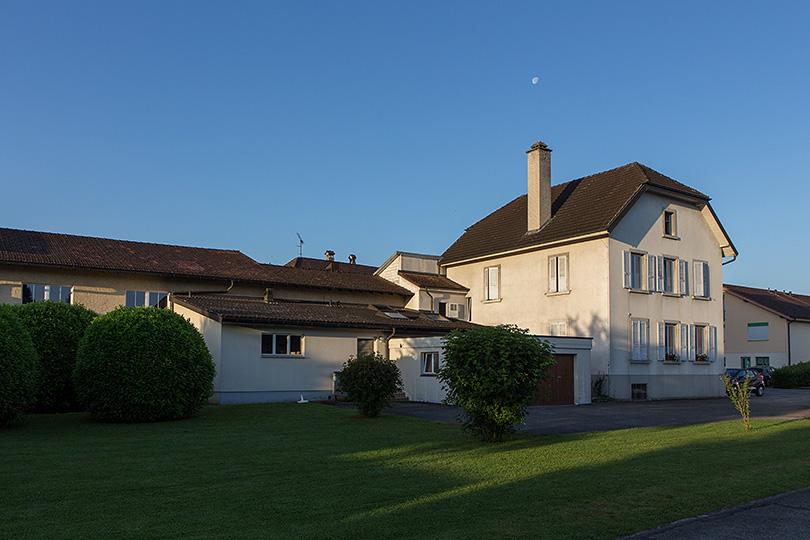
(370,381)
(792,376)
(18,367)
(56,329)
(142,365)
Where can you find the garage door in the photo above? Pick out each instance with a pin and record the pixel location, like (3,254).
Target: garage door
(558,388)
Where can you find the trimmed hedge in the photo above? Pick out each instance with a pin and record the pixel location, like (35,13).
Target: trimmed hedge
(370,381)
(142,365)
(792,376)
(56,329)
(18,367)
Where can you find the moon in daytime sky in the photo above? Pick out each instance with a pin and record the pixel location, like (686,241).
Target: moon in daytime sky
(535,79)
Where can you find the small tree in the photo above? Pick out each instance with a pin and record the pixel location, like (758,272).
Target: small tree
(55,329)
(18,367)
(740,396)
(493,373)
(370,381)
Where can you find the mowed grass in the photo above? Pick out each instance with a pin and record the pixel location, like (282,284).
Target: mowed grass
(317,471)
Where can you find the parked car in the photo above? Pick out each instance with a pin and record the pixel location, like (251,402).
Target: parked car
(766,372)
(756,381)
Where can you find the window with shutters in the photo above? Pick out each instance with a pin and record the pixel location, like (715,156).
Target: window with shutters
(668,342)
(701,279)
(640,338)
(492,283)
(758,331)
(703,343)
(558,274)
(683,277)
(669,277)
(634,270)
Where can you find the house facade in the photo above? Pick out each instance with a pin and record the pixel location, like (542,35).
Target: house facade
(765,327)
(628,257)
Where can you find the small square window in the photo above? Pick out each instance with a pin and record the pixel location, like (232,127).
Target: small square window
(638,392)
(430,363)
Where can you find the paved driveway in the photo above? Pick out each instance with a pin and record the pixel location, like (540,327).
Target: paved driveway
(776,403)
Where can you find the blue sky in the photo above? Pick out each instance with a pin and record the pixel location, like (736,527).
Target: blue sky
(371,127)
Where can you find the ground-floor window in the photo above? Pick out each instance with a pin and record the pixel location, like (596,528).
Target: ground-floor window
(745,362)
(144,298)
(365,346)
(763,360)
(638,391)
(37,293)
(282,344)
(430,363)
(640,337)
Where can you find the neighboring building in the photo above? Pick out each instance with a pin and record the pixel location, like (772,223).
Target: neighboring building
(765,327)
(628,256)
(431,291)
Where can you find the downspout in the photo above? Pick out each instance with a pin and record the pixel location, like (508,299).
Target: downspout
(734,258)
(432,300)
(387,346)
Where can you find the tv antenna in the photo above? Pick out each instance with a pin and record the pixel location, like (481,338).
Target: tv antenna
(300,245)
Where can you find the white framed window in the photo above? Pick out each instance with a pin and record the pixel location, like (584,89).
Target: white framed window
(634,270)
(669,275)
(670,224)
(558,328)
(144,298)
(668,341)
(703,343)
(282,345)
(702,275)
(365,346)
(492,283)
(38,293)
(758,331)
(558,273)
(430,363)
(640,338)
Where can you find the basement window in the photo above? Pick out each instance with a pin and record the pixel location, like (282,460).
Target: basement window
(638,392)
(282,345)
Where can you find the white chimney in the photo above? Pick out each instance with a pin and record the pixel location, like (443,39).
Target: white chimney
(539,169)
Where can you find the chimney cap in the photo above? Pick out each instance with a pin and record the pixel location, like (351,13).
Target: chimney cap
(539,145)
(330,255)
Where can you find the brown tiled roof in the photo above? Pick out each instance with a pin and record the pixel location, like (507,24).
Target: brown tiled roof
(434,281)
(250,310)
(580,207)
(68,251)
(787,305)
(327,279)
(323,264)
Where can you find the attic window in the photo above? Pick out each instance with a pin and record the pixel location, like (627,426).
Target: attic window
(394,314)
(670,224)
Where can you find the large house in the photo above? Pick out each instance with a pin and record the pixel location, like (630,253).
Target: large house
(765,327)
(276,333)
(628,256)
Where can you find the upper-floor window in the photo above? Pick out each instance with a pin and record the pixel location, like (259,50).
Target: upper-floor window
(492,283)
(634,270)
(282,344)
(669,275)
(430,363)
(702,280)
(144,298)
(37,293)
(558,273)
(670,224)
(758,331)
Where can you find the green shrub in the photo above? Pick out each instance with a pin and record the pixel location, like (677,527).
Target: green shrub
(792,376)
(142,365)
(55,329)
(492,374)
(370,381)
(18,367)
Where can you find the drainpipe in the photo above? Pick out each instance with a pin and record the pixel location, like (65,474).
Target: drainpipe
(387,347)
(734,258)
(432,300)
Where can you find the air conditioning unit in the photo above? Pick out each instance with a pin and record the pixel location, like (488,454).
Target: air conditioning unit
(455,311)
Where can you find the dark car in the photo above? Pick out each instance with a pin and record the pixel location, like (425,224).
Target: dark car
(756,382)
(766,372)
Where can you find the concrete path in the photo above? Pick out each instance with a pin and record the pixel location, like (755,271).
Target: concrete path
(783,517)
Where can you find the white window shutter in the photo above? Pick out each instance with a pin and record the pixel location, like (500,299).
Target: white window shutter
(562,268)
(698,279)
(683,277)
(635,340)
(552,274)
(661,274)
(712,343)
(684,342)
(652,281)
(662,341)
(627,270)
(706,280)
(645,339)
(691,356)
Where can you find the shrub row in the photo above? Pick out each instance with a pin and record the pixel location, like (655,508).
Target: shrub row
(792,376)
(18,367)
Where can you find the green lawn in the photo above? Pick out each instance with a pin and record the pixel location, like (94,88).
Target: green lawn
(316,471)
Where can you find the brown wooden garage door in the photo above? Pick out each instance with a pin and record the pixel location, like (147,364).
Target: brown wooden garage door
(558,388)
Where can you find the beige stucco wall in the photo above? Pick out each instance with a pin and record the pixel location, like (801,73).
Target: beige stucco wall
(104,291)
(211,331)
(641,229)
(799,342)
(525,300)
